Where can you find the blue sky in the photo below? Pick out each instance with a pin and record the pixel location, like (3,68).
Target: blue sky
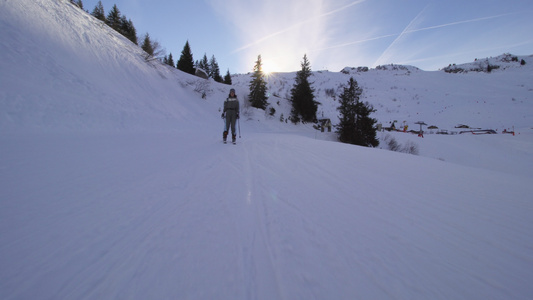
(429,34)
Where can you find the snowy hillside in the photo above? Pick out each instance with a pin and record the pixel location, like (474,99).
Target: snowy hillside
(114,183)
(75,73)
(499,100)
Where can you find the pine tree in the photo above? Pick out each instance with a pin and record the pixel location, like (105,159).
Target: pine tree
(347,109)
(214,69)
(227,78)
(113,18)
(98,12)
(304,106)
(186,62)
(258,89)
(366,132)
(128,30)
(204,65)
(147,46)
(118,22)
(355,126)
(170,60)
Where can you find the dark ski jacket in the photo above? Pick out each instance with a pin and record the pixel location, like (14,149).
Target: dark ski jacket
(231,106)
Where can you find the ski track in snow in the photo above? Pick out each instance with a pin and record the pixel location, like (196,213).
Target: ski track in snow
(143,216)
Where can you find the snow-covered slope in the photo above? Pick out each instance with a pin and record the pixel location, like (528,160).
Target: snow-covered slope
(499,100)
(114,183)
(74,73)
(492,64)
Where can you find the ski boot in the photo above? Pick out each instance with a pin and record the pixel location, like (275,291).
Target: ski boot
(234,138)
(224,136)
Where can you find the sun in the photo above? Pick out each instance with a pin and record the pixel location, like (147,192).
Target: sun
(268,67)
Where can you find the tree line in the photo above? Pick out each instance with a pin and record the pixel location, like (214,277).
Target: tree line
(187,64)
(120,23)
(355,124)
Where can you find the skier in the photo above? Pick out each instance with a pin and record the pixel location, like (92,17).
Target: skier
(231,114)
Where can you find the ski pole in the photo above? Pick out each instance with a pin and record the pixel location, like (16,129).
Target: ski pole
(224,120)
(239,123)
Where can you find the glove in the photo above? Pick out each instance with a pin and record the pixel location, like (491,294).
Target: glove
(237,116)
(223,116)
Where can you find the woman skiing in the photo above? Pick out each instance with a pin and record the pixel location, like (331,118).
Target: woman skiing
(231,114)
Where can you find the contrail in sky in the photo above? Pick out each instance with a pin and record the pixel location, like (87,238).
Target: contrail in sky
(297,25)
(356,42)
(342,8)
(460,22)
(405,30)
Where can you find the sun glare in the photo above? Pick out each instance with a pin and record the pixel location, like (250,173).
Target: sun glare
(268,67)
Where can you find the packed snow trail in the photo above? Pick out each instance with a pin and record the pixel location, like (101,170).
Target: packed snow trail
(276,216)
